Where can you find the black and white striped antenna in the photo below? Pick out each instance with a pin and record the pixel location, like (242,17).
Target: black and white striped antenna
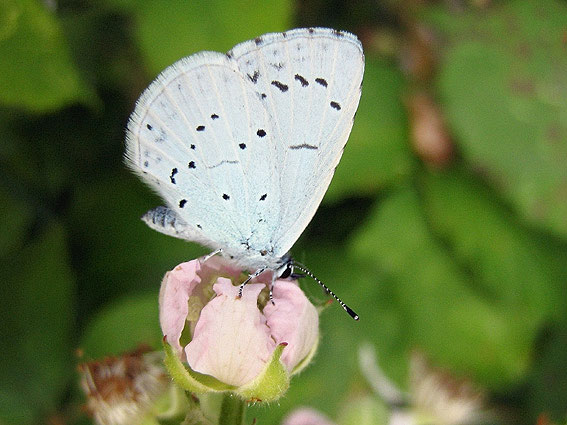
(346,308)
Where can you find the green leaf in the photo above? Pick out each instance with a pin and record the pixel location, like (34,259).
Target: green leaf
(508,264)
(168,33)
(377,153)
(36,317)
(547,390)
(503,86)
(36,71)
(118,253)
(435,305)
(16,218)
(122,326)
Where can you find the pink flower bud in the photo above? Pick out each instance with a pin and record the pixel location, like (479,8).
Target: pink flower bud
(232,338)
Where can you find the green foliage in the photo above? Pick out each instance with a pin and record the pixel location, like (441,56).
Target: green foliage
(212,25)
(504,85)
(121,326)
(37,317)
(36,72)
(467,264)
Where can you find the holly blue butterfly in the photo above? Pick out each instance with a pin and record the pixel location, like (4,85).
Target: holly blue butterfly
(242,146)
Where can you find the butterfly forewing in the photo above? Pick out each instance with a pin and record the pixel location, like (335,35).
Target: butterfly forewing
(310,81)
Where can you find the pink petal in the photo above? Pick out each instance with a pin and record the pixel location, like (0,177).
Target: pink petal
(306,416)
(176,288)
(292,319)
(231,340)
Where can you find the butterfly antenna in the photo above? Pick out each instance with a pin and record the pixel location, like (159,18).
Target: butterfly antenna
(327,290)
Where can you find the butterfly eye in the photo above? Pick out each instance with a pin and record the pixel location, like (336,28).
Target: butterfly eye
(287,271)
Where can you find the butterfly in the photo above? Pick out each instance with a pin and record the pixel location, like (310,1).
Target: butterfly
(242,146)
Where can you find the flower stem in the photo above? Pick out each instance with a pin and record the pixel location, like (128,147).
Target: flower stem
(232,410)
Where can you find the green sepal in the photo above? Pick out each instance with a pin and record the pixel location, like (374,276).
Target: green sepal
(173,404)
(187,378)
(306,360)
(270,384)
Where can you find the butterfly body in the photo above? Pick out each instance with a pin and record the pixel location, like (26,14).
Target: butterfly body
(242,146)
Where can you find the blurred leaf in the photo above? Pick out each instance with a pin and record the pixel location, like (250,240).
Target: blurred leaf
(438,308)
(16,218)
(168,32)
(36,71)
(116,252)
(122,326)
(548,392)
(37,317)
(377,153)
(504,85)
(506,264)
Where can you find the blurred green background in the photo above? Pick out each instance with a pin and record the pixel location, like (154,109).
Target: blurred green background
(445,226)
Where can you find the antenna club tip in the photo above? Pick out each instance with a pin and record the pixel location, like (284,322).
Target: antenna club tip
(351,313)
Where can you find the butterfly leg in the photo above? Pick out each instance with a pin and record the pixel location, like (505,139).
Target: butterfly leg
(274,278)
(250,277)
(212,254)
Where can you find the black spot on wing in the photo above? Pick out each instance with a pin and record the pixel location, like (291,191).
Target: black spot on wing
(146,164)
(242,146)
(200,128)
(303,146)
(172,175)
(254,77)
(263,95)
(182,203)
(303,81)
(321,81)
(149,127)
(193,147)
(199,226)
(281,86)
(258,40)
(336,106)
(263,197)
(191,164)
(225,197)
(214,116)
(261,133)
